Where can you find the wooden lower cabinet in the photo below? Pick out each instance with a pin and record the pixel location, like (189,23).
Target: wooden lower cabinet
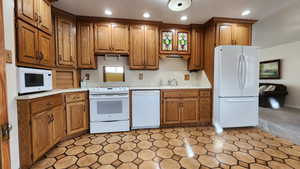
(181,107)
(46,121)
(77,114)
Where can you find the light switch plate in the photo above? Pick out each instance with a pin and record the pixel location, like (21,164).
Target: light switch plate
(187,77)
(141,76)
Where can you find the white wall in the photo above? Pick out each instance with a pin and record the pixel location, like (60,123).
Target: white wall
(169,68)
(9,28)
(279,38)
(289,53)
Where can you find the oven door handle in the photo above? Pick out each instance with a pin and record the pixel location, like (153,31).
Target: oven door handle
(108,96)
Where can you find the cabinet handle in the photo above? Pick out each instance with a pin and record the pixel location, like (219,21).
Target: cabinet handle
(49,118)
(49,104)
(40,19)
(52,118)
(36,17)
(42,56)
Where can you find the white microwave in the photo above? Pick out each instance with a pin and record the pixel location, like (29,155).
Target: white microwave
(34,80)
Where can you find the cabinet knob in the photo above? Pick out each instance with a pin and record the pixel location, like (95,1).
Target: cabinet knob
(40,19)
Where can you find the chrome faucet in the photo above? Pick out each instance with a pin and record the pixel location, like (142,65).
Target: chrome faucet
(172,81)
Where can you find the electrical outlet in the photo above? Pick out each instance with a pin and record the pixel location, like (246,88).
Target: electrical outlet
(141,76)
(87,76)
(187,77)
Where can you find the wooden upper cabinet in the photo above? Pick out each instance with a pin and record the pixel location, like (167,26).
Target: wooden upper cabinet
(65,41)
(111,38)
(41,134)
(190,110)
(143,47)
(28,48)
(119,38)
(27,10)
(77,117)
(234,34)
(151,47)
(59,123)
(196,61)
(45,50)
(85,46)
(137,47)
(103,37)
(36,12)
(243,34)
(225,34)
(175,41)
(45,17)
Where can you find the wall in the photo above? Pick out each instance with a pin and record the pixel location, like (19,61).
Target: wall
(9,28)
(169,68)
(279,38)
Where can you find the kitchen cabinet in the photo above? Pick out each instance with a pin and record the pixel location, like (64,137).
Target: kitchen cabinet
(205,107)
(111,38)
(59,124)
(85,46)
(37,13)
(196,61)
(34,46)
(175,41)
(77,114)
(233,34)
(65,41)
(224,31)
(143,47)
(180,107)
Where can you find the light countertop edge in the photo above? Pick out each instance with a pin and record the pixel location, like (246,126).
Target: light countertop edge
(60,91)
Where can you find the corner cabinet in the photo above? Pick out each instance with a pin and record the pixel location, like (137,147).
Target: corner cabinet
(175,41)
(85,46)
(143,47)
(233,34)
(34,47)
(37,13)
(65,41)
(196,61)
(111,38)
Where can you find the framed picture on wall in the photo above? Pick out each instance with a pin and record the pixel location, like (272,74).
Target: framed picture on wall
(270,69)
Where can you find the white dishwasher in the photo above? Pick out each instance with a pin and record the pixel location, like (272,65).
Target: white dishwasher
(145,109)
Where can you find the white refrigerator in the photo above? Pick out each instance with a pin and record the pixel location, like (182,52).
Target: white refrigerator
(236,85)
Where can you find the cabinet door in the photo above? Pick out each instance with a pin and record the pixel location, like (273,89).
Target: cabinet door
(103,37)
(41,134)
(59,123)
(171,111)
(86,56)
(119,38)
(242,34)
(151,48)
(45,49)
(196,61)
(225,34)
(27,43)
(44,12)
(183,41)
(205,110)
(167,41)
(137,47)
(190,110)
(66,42)
(77,117)
(27,11)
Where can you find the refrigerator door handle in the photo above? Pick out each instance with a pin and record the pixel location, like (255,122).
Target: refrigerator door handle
(239,72)
(245,67)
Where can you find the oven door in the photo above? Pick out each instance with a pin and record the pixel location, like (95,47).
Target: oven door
(109,107)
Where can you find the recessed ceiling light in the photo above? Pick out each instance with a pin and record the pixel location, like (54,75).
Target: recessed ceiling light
(108,12)
(246,12)
(183,18)
(146,15)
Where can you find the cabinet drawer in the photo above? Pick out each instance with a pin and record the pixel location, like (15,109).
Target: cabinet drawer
(204,93)
(46,103)
(74,97)
(180,93)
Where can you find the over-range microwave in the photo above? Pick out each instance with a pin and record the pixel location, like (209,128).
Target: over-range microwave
(34,80)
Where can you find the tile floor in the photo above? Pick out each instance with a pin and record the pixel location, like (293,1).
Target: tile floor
(175,148)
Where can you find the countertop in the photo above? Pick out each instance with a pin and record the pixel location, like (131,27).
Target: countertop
(59,91)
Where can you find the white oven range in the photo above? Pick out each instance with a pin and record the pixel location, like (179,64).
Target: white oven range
(109,109)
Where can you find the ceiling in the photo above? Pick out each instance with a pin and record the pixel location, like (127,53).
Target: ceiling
(201,10)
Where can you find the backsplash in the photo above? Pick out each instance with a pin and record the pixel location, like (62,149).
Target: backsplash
(169,68)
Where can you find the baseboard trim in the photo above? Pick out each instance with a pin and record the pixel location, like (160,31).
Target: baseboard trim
(292,106)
